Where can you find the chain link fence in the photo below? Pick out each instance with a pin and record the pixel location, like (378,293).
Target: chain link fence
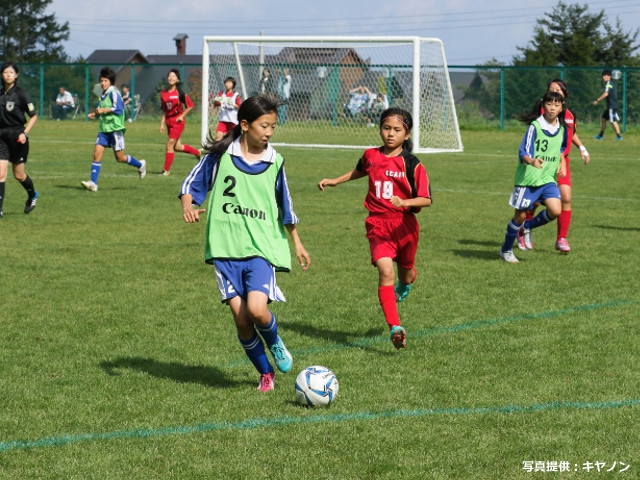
(500,94)
(488,97)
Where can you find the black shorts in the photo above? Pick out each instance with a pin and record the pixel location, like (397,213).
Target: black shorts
(611,115)
(10,148)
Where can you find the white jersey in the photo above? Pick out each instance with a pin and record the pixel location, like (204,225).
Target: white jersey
(228,110)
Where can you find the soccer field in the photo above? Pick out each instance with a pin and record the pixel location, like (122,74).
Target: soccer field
(119,362)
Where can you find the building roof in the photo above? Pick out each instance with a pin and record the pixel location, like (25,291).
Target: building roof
(117,56)
(175,59)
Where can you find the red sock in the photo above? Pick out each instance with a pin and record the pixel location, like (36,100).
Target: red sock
(190,149)
(168,160)
(564,220)
(530,214)
(387,297)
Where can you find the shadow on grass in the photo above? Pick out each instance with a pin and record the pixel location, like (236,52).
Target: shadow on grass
(615,227)
(178,372)
(486,243)
(338,337)
(479,254)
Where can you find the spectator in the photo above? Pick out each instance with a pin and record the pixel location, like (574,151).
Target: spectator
(284,91)
(377,105)
(267,87)
(64,103)
(126,99)
(358,102)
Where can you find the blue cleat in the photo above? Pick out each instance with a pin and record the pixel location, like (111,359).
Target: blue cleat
(402,291)
(398,337)
(281,355)
(619,137)
(598,137)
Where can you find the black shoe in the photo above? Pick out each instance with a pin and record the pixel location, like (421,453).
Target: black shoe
(31,203)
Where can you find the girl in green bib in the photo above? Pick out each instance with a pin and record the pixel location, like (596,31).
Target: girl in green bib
(540,160)
(248,212)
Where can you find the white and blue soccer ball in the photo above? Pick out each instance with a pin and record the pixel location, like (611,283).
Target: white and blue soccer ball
(316,387)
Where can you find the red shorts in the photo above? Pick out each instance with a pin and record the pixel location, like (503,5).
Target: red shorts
(566,180)
(225,127)
(395,237)
(175,129)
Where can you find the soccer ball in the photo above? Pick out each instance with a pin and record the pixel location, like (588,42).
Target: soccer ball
(316,387)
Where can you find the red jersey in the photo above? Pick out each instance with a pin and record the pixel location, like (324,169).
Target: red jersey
(403,176)
(570,121)
(173,103)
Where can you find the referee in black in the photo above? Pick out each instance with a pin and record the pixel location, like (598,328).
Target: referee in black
(15,106)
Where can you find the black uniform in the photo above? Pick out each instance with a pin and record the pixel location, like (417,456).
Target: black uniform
(14,105)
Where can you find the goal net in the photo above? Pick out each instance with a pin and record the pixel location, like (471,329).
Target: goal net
(333,89)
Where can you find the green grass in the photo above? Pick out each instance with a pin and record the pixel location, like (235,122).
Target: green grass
(119,362)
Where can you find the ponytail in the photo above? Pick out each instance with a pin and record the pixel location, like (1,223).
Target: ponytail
(221,146)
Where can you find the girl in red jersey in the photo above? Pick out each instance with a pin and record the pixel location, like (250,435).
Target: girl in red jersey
(398,189)
(175,106)
(525,241)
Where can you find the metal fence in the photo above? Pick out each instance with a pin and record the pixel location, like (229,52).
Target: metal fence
(500,94)
(488,95)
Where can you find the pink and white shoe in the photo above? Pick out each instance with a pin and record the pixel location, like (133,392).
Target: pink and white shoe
(563,246)
(525,239)
(267,382)
(521,244)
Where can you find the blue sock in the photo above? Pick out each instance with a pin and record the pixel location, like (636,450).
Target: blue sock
(539,220)
(254,348)
(510,236)
(95,172)
(270,332)
(132,161)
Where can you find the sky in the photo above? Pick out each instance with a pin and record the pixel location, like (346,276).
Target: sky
(471,34)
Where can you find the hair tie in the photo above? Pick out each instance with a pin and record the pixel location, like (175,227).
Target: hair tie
(399,118)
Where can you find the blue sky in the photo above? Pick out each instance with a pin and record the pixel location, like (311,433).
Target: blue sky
(473,32)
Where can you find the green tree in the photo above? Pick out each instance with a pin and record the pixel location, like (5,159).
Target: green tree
(28,35)
(569,42)
(572,36)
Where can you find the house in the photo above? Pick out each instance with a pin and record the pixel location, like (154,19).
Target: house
(144,73)
(127,63)
(321,76)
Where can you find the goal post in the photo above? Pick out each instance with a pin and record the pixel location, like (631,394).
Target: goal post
(333,89)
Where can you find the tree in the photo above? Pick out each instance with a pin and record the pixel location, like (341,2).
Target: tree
(572,36)
(28,35)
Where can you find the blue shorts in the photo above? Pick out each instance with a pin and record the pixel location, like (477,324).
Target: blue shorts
(239,277)
(113,140)
(524,198)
